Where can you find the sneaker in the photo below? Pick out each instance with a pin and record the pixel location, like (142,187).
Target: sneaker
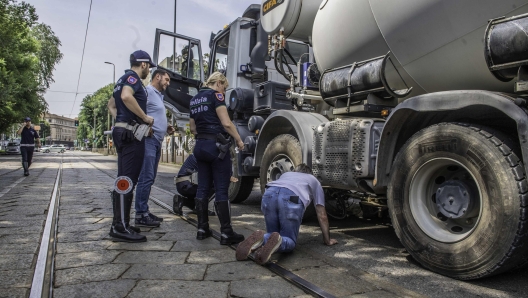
(263,254)
(147,221)
(154,217)
(250,244)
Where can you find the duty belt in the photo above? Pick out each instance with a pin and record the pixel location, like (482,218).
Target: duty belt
(124,125)
(206,136)
(182,179)
(27,145)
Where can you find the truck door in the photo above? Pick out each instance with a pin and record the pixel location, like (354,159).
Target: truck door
(181,56)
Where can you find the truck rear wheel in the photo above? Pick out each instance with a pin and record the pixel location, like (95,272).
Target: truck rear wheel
(457,201)
(240,190)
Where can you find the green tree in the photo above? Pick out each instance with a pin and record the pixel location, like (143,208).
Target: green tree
(94,104)
(29,52)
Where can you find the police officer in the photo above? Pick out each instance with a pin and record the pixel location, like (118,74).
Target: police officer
(211,126)
(28,136)
(129,105)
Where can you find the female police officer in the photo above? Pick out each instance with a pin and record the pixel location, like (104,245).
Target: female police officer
(209,123)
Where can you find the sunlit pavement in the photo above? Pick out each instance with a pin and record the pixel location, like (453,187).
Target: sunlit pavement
(369,261)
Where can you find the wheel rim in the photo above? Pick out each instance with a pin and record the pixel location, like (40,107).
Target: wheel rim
(445,200)
(280,165)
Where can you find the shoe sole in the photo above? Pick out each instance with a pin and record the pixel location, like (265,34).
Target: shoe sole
(245,247)
(146,226)
(117,239)
(264,253)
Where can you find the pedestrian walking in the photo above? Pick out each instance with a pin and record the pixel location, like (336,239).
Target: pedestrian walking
(129,106)
(212,127)
(28,137)
(283,205)
(155,109)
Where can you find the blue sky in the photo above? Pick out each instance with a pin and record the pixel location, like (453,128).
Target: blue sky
(117,28)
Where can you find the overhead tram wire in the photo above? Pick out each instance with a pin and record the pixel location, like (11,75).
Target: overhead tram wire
(82,57)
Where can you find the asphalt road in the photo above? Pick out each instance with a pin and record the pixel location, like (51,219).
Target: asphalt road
(367,245)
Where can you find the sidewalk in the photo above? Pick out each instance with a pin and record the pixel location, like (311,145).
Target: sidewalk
(172,263)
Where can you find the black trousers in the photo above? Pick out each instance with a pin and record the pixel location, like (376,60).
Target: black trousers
(130,155)
(27,154)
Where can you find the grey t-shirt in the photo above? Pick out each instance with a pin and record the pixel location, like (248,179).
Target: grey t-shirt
(306,186)
(156,109)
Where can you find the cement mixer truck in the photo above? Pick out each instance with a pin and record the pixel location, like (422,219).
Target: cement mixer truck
(415,109)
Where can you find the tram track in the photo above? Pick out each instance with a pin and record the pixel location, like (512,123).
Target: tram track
(284,273)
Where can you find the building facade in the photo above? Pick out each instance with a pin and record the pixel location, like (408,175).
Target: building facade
(63,130)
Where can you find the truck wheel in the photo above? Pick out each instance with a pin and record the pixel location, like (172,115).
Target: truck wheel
(240,190)
(282,154)
(456,197)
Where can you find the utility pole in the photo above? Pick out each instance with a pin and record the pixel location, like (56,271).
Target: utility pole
(174,42)
(108,118)
(93,146)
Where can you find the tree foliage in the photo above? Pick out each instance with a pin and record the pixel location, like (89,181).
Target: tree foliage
(29,52)
(94,104)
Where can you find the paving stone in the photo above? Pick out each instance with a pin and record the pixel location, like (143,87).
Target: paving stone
(143,246)
(18,230)
(177,236)
(21,223)
(75,228)
(236,271)
(82,246)
(76,221)
(89,274)
(374,294)
(296,260)
(16,278)
(23,248)
(82,236)
(13,292)
(16,261)
(335,280)
(87,258)
(152,257)
(113,288)
(20,238)
(264,287)
(196,245)
(176,288)
(212,256)
(164,271)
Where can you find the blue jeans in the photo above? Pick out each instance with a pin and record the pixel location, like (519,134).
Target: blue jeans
(147,175)
(212,169)
(282,216)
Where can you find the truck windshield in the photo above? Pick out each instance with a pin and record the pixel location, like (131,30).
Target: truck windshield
(220,55)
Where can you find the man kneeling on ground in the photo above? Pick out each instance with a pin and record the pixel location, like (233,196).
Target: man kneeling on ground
(283,205)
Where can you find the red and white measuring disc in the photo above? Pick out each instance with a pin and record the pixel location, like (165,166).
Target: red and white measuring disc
(123,185)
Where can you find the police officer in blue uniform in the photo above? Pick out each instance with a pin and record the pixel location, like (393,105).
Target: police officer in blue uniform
(212,127)
(28,136)
(129,105)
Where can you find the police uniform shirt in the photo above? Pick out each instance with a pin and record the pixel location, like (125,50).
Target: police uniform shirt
(203,110)
(28,136)
(131,79)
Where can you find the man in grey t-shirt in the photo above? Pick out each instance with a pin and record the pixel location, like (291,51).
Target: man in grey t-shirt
(283,205)
(155,109)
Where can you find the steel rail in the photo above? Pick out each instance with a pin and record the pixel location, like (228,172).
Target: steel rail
(42,285)
(289,276)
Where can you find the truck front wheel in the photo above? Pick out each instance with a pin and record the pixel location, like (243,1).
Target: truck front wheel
(457,196)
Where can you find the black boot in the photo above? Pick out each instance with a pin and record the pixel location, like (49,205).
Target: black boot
(224,215)
(121,230)
(203,219)
(115,200)
(26,168)
(177,204)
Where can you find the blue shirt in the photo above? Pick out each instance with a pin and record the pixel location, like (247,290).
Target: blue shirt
(203,110)
(28,136)
(131,79)
(306,186)
(156,109)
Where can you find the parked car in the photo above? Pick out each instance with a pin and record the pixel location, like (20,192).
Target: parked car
(13,148)
(54,148)
(44,148)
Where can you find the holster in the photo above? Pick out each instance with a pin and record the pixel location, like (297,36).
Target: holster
(223,144)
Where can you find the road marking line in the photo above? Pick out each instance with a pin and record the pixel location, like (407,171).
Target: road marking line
(2,193)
